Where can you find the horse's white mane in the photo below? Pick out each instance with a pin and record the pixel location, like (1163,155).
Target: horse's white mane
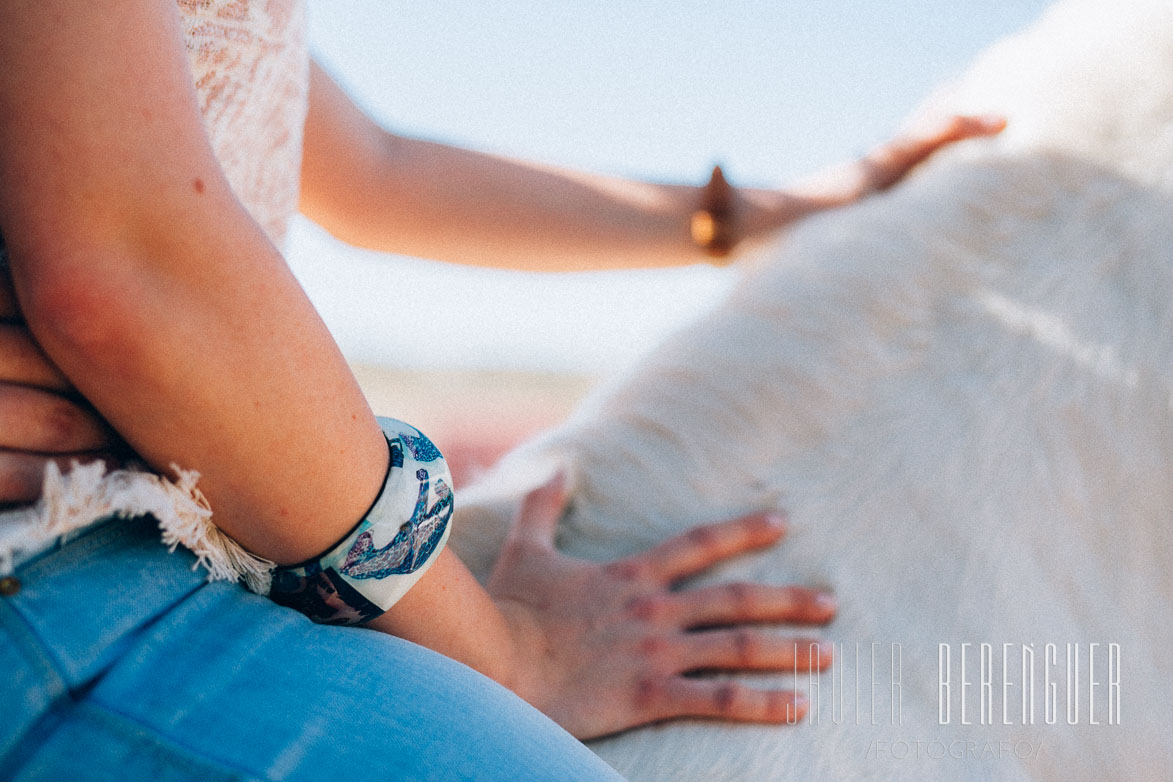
(962,393)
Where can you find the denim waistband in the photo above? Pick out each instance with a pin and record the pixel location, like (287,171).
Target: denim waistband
(25,536)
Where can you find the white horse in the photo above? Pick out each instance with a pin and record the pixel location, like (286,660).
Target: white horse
(962,394)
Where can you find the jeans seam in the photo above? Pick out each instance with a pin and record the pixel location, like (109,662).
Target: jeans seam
(153,733)
(40,658)
(13,620)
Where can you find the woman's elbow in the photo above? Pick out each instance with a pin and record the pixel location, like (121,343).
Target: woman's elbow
(79,309)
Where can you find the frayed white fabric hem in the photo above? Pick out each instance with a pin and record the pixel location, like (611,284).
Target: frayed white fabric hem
(87,493)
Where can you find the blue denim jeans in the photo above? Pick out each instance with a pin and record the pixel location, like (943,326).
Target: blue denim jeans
(121,662)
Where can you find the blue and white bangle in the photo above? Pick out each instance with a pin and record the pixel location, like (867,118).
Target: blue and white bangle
(389,550)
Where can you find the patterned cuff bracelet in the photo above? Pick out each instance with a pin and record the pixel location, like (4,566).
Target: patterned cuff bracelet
(387,552)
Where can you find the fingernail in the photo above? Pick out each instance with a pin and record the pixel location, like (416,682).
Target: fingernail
(826,649)
(557,481)
(776,520)
(798,710)
(826,601)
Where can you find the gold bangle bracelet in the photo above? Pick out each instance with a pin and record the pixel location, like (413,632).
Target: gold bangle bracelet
(711,226)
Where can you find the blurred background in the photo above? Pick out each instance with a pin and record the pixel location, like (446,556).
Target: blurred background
(772,89)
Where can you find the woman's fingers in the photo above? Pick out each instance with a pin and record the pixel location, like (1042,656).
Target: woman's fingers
(537,520)
(22,360)
(32,419)
(889,163)
(740,603)
(702,547)
(681,697)
(960,127)
(745,649)
(42,426)
(615,641)
(23,474)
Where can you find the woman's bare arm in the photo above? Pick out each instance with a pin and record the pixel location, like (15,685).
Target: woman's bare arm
(162,301)
(152,289)
(388,192)
(149,286)
(404,195)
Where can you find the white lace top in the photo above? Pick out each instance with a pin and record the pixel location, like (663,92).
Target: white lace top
(251,71)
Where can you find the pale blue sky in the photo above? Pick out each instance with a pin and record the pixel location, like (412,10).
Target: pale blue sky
(773,89)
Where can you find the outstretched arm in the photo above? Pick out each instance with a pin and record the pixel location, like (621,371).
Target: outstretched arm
(387,192)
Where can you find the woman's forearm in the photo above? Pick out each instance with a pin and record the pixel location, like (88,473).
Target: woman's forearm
(213,360)
(396,194)
(450,612)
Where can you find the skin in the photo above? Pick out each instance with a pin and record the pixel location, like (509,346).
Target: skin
(615,639)
(386,192)
(143,295)
(42,418)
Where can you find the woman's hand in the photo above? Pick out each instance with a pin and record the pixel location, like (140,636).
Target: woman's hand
(761,212)
(890,162)
(604,647)
(42,418)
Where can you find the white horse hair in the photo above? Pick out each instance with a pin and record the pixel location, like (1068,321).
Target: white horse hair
(962,394)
